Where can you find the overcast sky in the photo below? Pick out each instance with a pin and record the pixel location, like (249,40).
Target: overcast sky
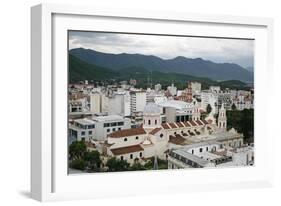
(167,47)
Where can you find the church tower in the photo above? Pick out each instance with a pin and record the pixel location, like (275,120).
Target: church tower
(151,117)
(222,121)
(195,112)
(189,92)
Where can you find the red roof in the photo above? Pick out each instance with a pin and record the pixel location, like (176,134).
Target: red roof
(179,124)
(172,125)
(204,121)
(127,132)
(165,126)
(154,131)
(199,122)
(186,124)
(127,150)
(177,139)
(192,123)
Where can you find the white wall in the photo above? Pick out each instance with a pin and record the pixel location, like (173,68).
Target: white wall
(15,76)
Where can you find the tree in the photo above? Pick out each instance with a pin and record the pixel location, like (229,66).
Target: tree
(77,150)
(209,108)
(233,107)
(137,166)
(93,160)
(78,164)
(115,164)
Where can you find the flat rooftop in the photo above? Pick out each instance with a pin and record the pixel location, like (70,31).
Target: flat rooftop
(84,121)
(108,118)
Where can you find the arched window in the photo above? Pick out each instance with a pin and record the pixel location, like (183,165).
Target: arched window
(131,156)
(140,154)
(149,122)
(161,135)
(156,121)
(122,158)
(137,137)
(125,139)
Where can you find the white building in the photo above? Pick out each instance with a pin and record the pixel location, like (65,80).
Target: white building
(172,89)
(157,87)
(97,127)
(208,97)
(215,89)
(138,101)
(119,103)
(210,154)
(196,87)
(82,129)
(95,102)
(105,125)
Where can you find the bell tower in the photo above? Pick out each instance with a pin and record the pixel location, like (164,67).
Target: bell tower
(222,120)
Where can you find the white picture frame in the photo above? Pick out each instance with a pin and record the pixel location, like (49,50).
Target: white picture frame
(49,179)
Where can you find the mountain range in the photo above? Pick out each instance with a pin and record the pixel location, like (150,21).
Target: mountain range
(80,70)
(181,65)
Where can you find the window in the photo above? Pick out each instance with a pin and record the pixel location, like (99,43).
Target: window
(90,132)
(113,129)
(125,140)
(137,137)
(113,124)
(192,151)
(140,154)
(175,133)
(155,121)
(106,125)
(161,135)
(201,150)
(120,123)
(149,122)
(83,139)
(119,128)
(83,133)
(91,126)
(108,130)
(207,148)
(131,156)
(122,158)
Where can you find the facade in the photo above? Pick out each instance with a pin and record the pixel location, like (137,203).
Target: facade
(137,101)
(196,87)
(97,127)
(176,110)
(172,90)
(119,104)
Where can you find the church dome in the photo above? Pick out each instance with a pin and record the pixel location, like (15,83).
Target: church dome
(151,108)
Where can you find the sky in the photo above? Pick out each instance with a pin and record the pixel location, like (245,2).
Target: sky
(218,50)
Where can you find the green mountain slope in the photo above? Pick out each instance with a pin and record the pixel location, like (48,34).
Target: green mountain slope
(80,70)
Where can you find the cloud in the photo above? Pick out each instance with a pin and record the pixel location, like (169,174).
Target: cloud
(220,50)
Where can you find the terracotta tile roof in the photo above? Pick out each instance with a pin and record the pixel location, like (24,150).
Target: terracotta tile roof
(126,150)
(177,139)
(179,124)
(165,126)
(172,125)
(199,122)
(154,131)
(204,121)
(186,124)
(192,123)
(127,132)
